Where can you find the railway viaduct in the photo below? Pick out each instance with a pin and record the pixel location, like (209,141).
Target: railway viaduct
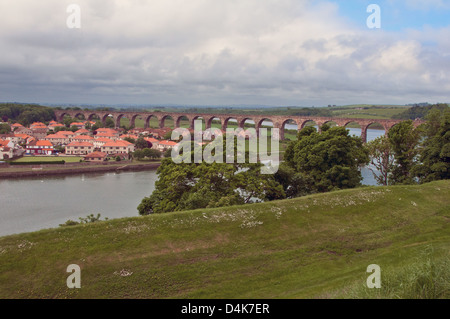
(278,121)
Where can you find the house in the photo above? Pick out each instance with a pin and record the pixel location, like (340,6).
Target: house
(53,125)
(164,145)
(9,150)
(23,130)
(152,140)
(79,148)
(107,131)
(23,138)
(140,131)
(11,137)
(83,138)
(95,157)
(111,136)
(80,125)
(39,125)
(159,132)
(118,147)
(16,126)
(132,136)
(58,139)
(99,142)
(82,131)
(40,148)
(39,132)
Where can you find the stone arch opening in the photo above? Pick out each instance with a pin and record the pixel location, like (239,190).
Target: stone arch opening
(289,129)
(214,122)
(137,121)
(230,122)
(183,122)
(196,123)
(80,117)
(123,121)
(167,121)
(353,128)
(310,123)
(152,121)
(373,131)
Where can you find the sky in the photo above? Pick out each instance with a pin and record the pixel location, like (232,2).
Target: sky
(224,52)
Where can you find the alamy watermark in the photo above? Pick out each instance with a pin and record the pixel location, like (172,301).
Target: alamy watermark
(374,20)
(374,280)
(214,152)
(74,280)
(74,19)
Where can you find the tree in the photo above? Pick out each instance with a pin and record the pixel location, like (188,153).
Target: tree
(109,123)
(435,154)
(381,159)
(5,128)
(151,153)
(201,185)
(130,140)
(167,153)
(404,139)
(167,136)
(140,143)
(325,161)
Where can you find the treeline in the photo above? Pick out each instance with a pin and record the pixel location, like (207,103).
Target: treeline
(25,114)
(314,163)
(419,112)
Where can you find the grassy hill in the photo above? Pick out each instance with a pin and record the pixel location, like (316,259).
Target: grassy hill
(313,247)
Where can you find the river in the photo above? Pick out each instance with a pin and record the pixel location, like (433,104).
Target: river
(31,204)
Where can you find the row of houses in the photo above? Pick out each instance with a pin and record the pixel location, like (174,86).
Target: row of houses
(102,143)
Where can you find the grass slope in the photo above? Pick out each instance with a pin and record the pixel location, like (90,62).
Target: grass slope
(313,247)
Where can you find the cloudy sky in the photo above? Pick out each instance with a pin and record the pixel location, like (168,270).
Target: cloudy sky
(225,52)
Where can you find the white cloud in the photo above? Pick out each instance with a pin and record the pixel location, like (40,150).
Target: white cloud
(213,52)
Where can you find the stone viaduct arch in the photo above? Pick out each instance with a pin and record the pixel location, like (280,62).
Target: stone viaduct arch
(278,121)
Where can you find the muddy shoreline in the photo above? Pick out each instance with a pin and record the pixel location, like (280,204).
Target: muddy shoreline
(79,170)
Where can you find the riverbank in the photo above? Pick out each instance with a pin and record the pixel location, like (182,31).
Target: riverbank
(73,168)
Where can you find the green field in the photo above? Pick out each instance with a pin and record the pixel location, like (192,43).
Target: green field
(313,247)
(383,112)
(68,159)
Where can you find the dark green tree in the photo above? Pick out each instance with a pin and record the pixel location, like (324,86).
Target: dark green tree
(381,159)
(322,162)
(5,129)
(435,153)
(189,186)
(404,139)
(109,123)
(140,143)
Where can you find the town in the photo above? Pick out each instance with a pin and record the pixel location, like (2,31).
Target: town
(81,139)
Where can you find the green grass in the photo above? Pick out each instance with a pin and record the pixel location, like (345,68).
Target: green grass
(313,247)
(68,159)
(384,112)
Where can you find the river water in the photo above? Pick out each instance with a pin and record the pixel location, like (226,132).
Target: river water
(31,204)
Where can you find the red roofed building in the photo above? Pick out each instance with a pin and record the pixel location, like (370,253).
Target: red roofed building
(117,147)
(95,157)
(164,145)
(99,142)
(79,148)
(80,125)
(40,148)
(16,126)
(82,131)
(83,138)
